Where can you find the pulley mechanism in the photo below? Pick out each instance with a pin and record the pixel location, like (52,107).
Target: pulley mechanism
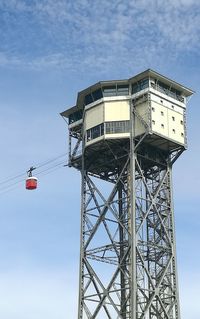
(31,181)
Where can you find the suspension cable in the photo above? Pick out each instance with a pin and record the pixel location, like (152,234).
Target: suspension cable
(10,183)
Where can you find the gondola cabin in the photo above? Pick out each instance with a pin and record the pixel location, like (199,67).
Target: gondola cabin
(31,183)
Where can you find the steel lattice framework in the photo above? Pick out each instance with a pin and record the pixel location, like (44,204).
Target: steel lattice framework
(128,250)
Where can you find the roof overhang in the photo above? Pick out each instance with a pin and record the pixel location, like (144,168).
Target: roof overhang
(69,111)
(150,73)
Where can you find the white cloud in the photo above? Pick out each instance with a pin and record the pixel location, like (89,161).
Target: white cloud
(6,60)
(84,34)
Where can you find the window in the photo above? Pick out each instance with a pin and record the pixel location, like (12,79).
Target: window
(122,90)
(88,135)
(162,113)
(140,85)
(109,90)
(181,122)
(173,106)
(162,125)
(95,132)
(153,109)
(162,87)
(94,96)
(153,122)
(88,99)
(76,116)
(161,101)
(117,127)
(168,90)
(97,95)
(180,98)
(173,118)
(182,134)
(153,84)
(173,131)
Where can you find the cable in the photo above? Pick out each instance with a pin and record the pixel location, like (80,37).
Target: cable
(44,172)
(58,164)
(9,190)
(39,165)
(47,171)
(50,160)
(10,183)
(9,179)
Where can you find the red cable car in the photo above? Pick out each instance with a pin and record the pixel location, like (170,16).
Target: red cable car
(31,181)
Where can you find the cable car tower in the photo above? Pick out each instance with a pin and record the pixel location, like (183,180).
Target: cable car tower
(124,137)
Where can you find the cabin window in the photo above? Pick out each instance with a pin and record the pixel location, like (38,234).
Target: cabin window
(168,90)
(76,116)
(117,127)
(153,84)
(140,85)
(95,132)
(88,99)
(122,90)
(109,90)
(97,95)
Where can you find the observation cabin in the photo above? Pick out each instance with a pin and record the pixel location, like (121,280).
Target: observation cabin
(102,114)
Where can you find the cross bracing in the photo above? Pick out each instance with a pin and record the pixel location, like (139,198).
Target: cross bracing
(106,276)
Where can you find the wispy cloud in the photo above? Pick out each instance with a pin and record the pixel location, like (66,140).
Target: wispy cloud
(102,34)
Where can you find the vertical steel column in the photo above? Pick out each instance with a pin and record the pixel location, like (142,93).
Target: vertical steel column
(121,240)
(82,231)
(82,241)
(132,216)
(177,301)
(157,289)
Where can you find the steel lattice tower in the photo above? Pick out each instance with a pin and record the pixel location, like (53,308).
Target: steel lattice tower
(124,137)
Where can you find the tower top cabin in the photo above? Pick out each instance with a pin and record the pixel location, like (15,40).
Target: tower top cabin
(102,112)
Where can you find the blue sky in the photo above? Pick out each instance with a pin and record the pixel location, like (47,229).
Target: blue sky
(49,50)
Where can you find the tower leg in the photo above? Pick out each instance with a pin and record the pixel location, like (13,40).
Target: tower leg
(157,291)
